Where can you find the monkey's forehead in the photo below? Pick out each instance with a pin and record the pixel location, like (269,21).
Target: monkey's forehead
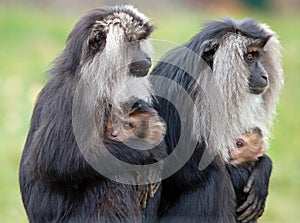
(135,24)
(250,28)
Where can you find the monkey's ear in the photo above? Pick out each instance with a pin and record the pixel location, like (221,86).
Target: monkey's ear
(208,50)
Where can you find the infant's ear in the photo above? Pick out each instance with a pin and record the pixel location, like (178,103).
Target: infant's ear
(260,153)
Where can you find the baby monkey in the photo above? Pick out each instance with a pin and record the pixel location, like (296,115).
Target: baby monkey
(140,122)
(137,121)
(248,148)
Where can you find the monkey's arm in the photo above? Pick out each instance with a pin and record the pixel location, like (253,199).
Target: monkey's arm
(251,186)
(132,152)
(51,151)
(148,191)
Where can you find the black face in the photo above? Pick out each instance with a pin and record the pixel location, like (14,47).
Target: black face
(141,63)
(258,80)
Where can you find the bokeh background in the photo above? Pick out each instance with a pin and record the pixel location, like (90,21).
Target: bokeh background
(33,33)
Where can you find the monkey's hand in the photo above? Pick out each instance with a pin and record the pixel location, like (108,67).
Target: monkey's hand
(143,195)
(257,190)
(147,191)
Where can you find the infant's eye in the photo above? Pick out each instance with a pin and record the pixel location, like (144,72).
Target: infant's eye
(127,126)
(239,144)
(114,120)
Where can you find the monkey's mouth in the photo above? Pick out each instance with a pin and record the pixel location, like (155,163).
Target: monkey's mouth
(257,90)
(139,72)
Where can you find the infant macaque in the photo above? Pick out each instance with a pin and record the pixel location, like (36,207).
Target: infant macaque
(249,147)
(141,122)
(137,121)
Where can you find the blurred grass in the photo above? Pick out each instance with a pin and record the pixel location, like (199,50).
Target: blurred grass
(30,39)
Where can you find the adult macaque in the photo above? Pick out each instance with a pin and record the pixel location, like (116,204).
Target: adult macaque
(233,74)
(104,52)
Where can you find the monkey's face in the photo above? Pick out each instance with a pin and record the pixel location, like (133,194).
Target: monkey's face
(139,61)
(248,147)
(241,58)
(120,129)
(258,80)
(121,35)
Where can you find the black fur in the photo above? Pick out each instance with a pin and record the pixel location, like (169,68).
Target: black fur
(57,183)
(191,195)
(239,176)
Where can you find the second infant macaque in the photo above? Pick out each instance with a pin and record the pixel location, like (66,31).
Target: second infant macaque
(248,148)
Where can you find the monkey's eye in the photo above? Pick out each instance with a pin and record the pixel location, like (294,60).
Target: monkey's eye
(100,36)
(251,56)
(97,40)
(239,144)
(114,120)
(127,126)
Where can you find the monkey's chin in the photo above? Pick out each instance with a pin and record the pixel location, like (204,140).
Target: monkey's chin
(257,91)
(139,72)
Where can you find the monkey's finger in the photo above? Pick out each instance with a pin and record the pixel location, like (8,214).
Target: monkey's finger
(142,195)
(249,218)
(157,185)
(260,208)
(145,195)
(247,203)
(252,218)
(140,191)
(155,188)
(151,192)
(144,201)
(260,213)
(250,213)
(250,182)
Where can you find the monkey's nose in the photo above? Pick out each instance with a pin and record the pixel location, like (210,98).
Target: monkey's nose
(140,68)
(114,134)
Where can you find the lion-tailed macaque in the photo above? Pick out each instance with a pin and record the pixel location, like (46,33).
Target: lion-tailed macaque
(142,122)
(248,148)
(138,121)
(62,174)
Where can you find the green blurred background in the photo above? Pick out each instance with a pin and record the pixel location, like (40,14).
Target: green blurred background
(33,33)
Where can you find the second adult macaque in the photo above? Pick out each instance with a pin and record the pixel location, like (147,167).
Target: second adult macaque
(138,124)
(248,148)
